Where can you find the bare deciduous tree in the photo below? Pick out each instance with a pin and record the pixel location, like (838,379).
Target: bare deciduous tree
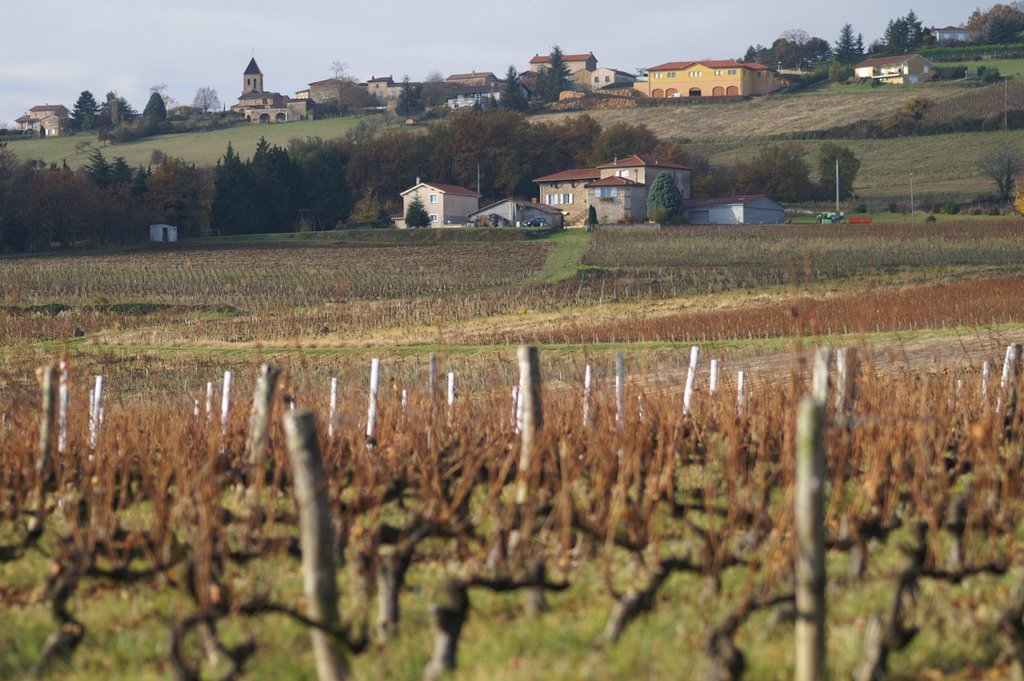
(1002,165)
(206,99)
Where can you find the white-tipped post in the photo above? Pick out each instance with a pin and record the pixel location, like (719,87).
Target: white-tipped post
(740,401)
(371,410)
(620,380)
(225,402)
(63,406)
(333,407)
(95,412)
(691,379)
(588,381)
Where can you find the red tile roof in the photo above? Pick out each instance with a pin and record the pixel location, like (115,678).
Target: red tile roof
(886,61)
(544,59)
(711,64)
(635,161)
(615,181)
(57,108)
(570,175)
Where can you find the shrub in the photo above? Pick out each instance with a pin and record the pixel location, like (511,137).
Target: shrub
(951,208)
(930,218)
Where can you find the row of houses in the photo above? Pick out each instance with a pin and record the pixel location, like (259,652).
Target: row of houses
(616,190)
(707,78)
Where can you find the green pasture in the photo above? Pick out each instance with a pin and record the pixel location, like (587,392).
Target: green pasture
(944,166)
(201,148)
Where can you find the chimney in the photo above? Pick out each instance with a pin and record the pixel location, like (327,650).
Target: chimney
(417,179)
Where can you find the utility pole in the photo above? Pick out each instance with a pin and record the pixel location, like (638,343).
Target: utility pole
(837,184)
(911,196)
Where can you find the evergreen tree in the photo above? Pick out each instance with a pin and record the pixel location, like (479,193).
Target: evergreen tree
(156,110)
(664,200)
(513,97)
(410,99)
(591,217)
(417,215)
(83,116)
(231,211)
(97,169)
(552,78)
(846,51)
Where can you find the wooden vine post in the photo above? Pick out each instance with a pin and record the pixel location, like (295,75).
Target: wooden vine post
(317,541)
(810,526)
(259,417)
(531,415)
(48,382)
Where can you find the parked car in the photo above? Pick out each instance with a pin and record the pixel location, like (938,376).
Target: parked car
(536,222)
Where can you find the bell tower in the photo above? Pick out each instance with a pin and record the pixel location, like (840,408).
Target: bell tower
(252,79)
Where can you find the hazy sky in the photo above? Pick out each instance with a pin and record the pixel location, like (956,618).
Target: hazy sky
(51,52)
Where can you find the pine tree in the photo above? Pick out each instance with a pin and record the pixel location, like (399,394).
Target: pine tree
(83,116)
(553,78)
(846,46)
(664,200)
(410,99)
(97,169)
(513,97)
(417,215)
(155,109)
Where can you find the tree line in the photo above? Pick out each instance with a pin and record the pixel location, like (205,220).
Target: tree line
(356,179)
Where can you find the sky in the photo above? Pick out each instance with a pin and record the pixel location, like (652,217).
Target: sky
(49,54)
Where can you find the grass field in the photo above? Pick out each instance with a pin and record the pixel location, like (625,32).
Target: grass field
(199,148)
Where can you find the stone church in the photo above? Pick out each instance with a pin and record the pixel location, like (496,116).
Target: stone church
(260,106)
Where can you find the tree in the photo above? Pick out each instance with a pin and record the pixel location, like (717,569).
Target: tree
(410,99)
(83,116)
(847,50)
(903,33)
(206,99)
(98,169)
(664,201)
(435,89)
(339,69)
(553,77)
(156,110)
(1002,165)
(513,96)
(591,217)
(778,170)
(417,215)
(622,139)
(848,167)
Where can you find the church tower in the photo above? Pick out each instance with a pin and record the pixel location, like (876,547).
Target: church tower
(252,79)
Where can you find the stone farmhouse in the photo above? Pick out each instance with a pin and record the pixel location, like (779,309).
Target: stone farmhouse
(47,120)
(617,190)
(260,106)
(584,73)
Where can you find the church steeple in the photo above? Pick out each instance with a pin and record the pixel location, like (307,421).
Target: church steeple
(252,79)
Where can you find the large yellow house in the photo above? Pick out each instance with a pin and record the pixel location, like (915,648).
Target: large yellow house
(711,78)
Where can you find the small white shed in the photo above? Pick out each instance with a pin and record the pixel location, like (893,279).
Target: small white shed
(735,210)
(163,233)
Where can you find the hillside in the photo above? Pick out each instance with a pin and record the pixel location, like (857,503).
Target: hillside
(204,148)
(817,109)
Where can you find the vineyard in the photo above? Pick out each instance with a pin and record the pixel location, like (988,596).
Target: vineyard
(249,492)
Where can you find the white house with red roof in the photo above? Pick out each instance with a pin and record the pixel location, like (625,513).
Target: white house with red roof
(448,205)
(899,69)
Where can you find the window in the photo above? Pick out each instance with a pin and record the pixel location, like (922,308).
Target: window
(671,74)
(732,72)
(597,79)
(433,198)
(608,79)
(694,74)
(719,72)
(566,198)
(622,173)
(433,217)
(607,192)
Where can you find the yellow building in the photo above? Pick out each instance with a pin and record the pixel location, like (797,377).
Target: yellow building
(711,78)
